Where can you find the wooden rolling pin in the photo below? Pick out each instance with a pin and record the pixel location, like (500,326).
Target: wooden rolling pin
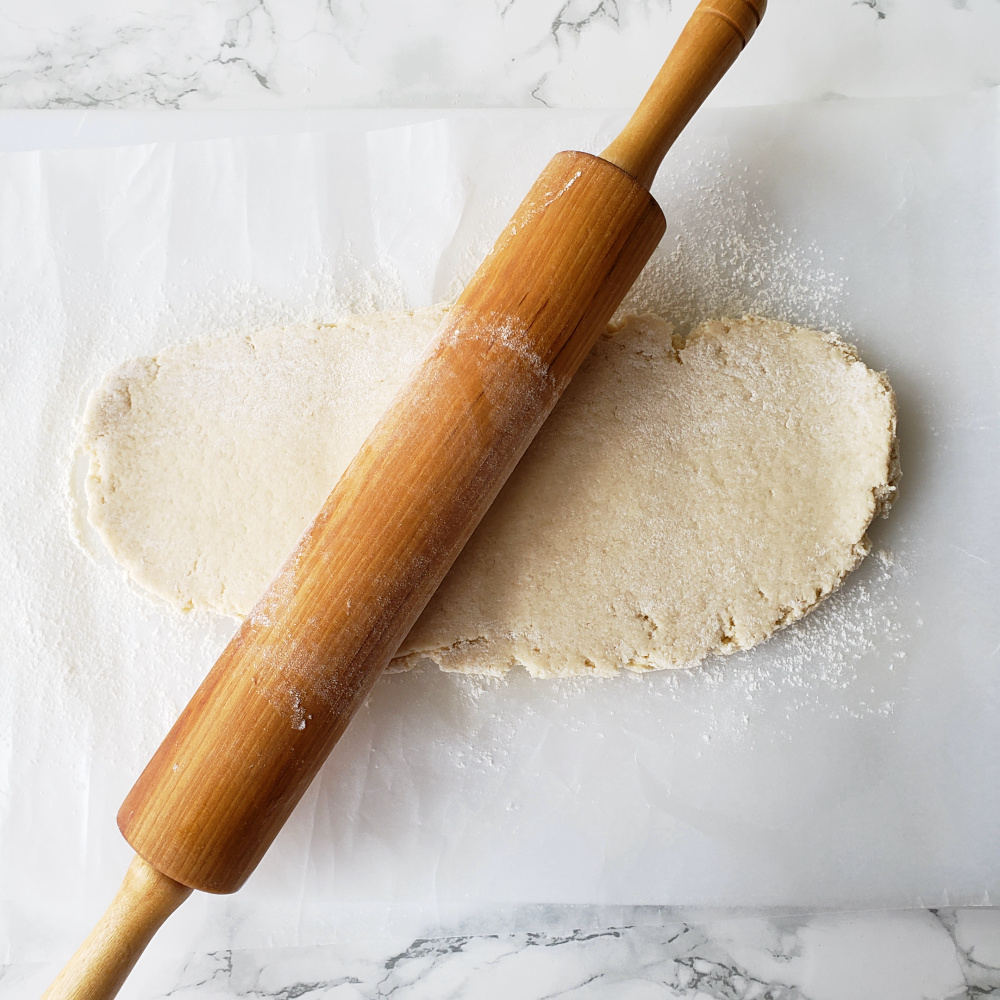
(243,751)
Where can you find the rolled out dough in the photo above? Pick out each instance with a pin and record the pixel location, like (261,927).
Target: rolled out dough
(684,498)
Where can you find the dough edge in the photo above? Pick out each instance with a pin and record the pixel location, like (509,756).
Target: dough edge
(495,656)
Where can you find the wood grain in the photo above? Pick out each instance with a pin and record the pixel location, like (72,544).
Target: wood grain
(253,736)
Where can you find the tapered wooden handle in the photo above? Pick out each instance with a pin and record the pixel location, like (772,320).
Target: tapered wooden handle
(710,42)
(99,967)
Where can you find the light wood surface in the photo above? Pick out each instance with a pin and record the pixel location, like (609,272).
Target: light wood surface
(100,965)
(257,730)
(709,44)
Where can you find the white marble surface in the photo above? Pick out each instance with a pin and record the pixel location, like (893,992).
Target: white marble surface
(477,53)
(292,54)
(593,954)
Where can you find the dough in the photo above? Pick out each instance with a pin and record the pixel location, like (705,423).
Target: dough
(208,461)
(684,498)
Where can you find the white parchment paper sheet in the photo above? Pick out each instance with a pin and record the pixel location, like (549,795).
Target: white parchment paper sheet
(851,761)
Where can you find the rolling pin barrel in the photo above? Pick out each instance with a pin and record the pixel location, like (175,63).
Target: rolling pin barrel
(257,730)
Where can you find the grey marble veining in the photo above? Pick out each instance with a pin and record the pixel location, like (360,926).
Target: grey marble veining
(514,53)
(587,953)
(643,953)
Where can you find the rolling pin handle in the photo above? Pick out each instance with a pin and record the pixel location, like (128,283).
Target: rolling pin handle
(100,965)
(709,44)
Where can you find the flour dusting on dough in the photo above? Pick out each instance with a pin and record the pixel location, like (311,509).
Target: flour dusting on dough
(686,497)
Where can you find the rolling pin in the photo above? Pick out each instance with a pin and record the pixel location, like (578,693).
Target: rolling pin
(243,751)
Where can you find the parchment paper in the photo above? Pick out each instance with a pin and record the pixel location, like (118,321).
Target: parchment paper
(851,761)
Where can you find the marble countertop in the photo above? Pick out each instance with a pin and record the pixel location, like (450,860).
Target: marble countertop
(289,55)
(592,954)
(480,53)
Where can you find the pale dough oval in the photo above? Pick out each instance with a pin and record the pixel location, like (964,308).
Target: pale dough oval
(684,498)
